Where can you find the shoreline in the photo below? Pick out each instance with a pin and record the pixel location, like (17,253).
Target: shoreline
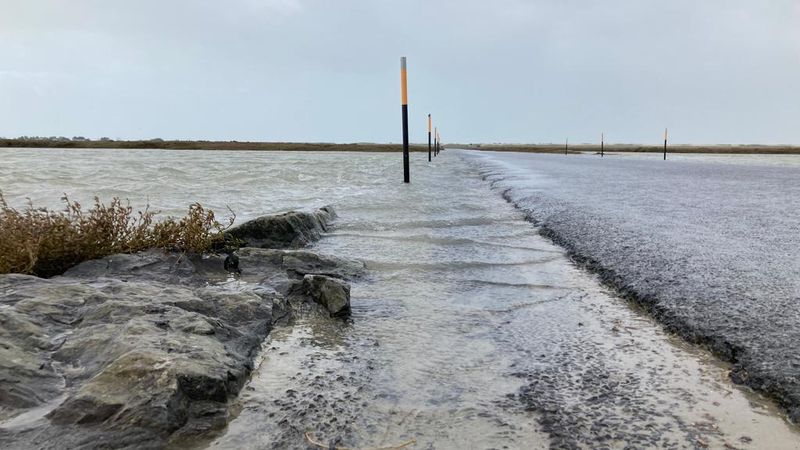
(719,149)
(158,144)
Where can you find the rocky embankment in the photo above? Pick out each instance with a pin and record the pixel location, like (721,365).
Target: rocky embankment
(132,351)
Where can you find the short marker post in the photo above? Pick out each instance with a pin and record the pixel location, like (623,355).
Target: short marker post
(404,103)
(665,144)
(602,139)
(436,140)
(429,138)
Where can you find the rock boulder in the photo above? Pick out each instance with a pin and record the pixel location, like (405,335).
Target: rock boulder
(332,293)
(294,229)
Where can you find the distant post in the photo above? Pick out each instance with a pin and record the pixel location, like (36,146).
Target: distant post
(429,138)
(436,140)
(566,147)
(602,138)
(665,144)
(404,102)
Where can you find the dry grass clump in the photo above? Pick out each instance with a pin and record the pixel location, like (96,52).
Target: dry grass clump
(46,243)
(205,145)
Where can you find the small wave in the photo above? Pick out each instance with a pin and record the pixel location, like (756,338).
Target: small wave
(434,223)
(172,171)
(442,241)
(452,265)
(514,285)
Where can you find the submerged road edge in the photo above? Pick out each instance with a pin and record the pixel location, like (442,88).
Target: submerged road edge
(761,382)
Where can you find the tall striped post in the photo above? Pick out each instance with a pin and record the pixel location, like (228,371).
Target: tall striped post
(665,144)
(602,139)
(404,102)
(429,138)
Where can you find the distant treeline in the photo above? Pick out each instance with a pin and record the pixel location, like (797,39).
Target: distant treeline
(105,143)
(559,148)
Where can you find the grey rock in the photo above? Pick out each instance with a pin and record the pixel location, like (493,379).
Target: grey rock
(298,262)
(134,354)
(134,351)
(332,293)
(152,265)
(304,262)
(231,263)
(294,229)
(125,359)
(282,268)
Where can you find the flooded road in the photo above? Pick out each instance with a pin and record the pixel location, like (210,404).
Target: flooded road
(472,331)
(469,330)
(710,244)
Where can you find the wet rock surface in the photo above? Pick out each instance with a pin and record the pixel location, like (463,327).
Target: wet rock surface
(294,229)
(710,250)
(332,293)
(133,359)
(133,351)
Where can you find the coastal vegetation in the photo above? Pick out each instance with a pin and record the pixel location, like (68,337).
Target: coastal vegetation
(45,243)
(106,143)
(635,148)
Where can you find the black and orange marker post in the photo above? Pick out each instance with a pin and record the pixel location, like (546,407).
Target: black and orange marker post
(404,102)
(429,138)
(602,139)
(665,144)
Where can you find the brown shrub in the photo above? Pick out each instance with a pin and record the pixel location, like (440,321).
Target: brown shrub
(45,243)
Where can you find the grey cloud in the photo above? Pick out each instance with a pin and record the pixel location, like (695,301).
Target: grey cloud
(325,70)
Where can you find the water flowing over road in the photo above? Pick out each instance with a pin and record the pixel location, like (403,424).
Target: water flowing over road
(469,329)
(709,244)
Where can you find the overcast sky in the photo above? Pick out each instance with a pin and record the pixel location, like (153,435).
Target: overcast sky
(714,71)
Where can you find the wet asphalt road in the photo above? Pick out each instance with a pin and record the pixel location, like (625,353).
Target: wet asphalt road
(711,249)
